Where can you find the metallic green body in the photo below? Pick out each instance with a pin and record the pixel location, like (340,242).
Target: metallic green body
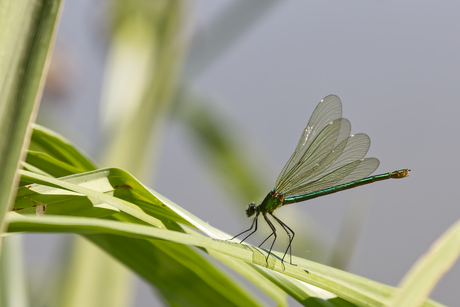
(396,174)
(270,203)
(273,200)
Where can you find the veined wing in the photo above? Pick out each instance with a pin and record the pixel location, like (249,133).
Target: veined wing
(352,149)
(324,150)
(347,173)
(328,110)
(356,148)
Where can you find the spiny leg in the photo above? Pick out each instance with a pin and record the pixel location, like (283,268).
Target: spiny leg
(254,222)
(290,238)
(273,233)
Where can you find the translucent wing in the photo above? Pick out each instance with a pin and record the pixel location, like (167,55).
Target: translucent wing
(347,173)
(355,149)
(328,110)
(364,169)
(326,154)
(352,149)
(305,174)
(324,150)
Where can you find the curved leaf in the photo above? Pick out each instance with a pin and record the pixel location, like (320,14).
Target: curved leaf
(26,38)
(426,272)
(350,287)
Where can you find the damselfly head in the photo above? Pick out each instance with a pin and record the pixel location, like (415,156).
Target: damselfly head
(251,209)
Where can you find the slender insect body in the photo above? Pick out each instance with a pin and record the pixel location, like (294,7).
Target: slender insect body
(349,185)
(327,160)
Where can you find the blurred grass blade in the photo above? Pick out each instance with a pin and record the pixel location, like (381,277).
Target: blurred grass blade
(145,56)
(221,149)
(90,279)
(418,283)
(13,280)
(210,43)
(352,288)
(349,234)
(143,68)
(26,36)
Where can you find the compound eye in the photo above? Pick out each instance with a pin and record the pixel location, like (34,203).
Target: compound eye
(251,209)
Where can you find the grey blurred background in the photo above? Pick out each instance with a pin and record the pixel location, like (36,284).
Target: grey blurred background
(395,66)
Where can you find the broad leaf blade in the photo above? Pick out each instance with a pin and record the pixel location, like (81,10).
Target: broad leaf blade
(62,200)
(174,269)
(26,37)
(59,193)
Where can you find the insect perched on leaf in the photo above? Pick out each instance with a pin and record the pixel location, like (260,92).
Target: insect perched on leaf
(327,159)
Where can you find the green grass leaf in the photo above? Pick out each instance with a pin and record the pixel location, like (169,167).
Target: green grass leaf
(250,272)
(52,152)
(352,288)
(115,194)
(418,283)
(67,200)
(66,196)
(26,37)
(177,271)
(102,189)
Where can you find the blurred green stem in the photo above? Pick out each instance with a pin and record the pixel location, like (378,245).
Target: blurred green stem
(13,285)
(142,76)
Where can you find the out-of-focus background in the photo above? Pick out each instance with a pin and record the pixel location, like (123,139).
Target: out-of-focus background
(259,68)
